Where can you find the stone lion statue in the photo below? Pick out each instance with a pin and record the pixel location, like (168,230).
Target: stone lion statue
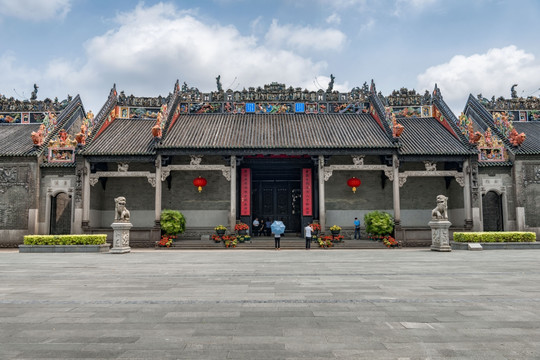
(121,213)
(441,210)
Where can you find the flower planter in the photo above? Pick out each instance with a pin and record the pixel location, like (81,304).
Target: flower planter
(242,232)
(335,232)
(220,232)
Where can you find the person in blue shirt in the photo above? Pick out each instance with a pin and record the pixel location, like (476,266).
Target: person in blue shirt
(356,228)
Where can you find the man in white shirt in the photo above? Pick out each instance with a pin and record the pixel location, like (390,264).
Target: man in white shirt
(255,228)
(307,231)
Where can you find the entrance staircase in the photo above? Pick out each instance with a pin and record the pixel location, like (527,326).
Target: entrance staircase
(267,243)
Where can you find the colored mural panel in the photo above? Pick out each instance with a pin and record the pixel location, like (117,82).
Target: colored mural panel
(307,198)
(141,113)
(245,192)
(348,108)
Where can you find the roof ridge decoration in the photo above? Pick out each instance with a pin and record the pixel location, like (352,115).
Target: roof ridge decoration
(491,148)
(390,116)
(500,119)
(106,114)
(273,98)
(467,129)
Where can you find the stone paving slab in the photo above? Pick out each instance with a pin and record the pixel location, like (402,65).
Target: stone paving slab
(259,304)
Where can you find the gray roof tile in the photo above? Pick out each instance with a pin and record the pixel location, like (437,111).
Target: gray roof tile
(292,131)
(427,136)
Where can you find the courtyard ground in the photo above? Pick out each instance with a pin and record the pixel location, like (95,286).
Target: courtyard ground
(266,304)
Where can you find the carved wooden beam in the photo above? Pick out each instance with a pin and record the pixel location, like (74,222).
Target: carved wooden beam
(328,170)
(166,170)
(99,174)
(459,176)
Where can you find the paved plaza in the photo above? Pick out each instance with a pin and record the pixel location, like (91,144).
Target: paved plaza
(266,304)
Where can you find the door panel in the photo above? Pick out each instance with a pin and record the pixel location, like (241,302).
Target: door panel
(274,199)
(492,211)
(60,214)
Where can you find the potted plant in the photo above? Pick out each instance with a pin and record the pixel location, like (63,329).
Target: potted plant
(335,229)
(172,223)
(220,230)
(241,228)
(316,228)
(379,224)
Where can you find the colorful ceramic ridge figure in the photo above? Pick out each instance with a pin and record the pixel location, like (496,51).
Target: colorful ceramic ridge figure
(37,136)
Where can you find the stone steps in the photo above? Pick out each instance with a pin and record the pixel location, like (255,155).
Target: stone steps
(267,243)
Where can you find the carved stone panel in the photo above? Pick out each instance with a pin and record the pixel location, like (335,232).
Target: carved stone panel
(16,196)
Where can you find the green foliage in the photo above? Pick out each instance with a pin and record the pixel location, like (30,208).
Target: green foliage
(172,222)
(487,237)
(84,239)
(379,223)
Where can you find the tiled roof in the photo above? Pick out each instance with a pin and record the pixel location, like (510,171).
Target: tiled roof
(290,131)
(15,139)
(124,137)
(531,145)
(427,136)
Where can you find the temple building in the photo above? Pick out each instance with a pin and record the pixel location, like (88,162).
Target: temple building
(506,179)
(272,152)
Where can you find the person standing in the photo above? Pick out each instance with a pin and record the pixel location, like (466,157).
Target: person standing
(307,231)
(267,226)
(255,227)
(356,228)
(277,241)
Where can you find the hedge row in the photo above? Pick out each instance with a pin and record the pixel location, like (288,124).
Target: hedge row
(488,237)
(65,239)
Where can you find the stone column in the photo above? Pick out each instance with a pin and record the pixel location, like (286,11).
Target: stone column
(121,237)
(395,190)
(232,214)
(467,194)
(86,194)
(158,191)
(322,207)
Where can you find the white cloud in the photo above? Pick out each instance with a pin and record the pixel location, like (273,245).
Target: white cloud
(153,46)
(304,38)
(334,19)
(491,73)
(367,26)
(35,10)
(402,6)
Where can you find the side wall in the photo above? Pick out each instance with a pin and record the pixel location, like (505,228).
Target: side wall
(18,199)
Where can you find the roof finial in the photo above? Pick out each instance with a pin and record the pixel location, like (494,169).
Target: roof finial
(513,91)
(331,84)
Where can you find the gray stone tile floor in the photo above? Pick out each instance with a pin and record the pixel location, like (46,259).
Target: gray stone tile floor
(266,304)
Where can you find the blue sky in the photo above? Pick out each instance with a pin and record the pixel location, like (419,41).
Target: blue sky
(84,46)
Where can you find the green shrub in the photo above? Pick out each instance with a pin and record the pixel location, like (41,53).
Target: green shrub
(172,222)
(502,236)
(379,223)
(83,239)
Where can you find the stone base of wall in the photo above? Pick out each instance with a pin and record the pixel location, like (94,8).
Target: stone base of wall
(64,248)
(499,246)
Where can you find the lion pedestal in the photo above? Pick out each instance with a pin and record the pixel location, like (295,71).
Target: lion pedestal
(439,225)
(121,226)
(121,237)
(439,235)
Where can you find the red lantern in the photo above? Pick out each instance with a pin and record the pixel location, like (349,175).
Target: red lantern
(354,183)
(200,182)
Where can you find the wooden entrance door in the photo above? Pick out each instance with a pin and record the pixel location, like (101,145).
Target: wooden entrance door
(61,214)
(492,211)
(278,200)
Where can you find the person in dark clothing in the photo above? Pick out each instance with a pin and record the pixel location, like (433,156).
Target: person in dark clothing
(267,227)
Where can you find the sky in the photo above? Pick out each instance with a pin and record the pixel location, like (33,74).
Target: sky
(85,46)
